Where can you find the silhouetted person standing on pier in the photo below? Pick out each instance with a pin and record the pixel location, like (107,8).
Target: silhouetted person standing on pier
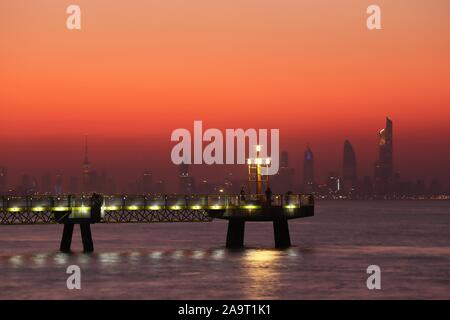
(242,196)
(96,207)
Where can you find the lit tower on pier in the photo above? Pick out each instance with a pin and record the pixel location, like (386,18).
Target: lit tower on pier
(255,168)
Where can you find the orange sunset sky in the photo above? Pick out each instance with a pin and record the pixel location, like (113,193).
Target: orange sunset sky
(139,69)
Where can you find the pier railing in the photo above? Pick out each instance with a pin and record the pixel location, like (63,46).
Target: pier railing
(85,210)
(136,208)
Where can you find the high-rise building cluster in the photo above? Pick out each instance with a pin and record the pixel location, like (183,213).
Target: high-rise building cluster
(346,184)
(386,183)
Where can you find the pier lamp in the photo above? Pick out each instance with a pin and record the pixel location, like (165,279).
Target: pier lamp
(255,168)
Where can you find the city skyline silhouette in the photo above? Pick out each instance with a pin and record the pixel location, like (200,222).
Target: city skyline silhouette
(348,177)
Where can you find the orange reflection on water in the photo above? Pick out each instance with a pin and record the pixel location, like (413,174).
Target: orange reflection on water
(262,276)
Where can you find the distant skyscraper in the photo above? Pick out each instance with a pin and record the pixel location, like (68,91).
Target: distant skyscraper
(333,183)
(160,186)
(308,170)
(204,187)
(86,169)
(46,183)
(93,182)
(73,184)
(3,179)
(27,186)
(435,188)
(147,182)
(283,180)
(384,165)
(102,181)
(367,188)
(185,179)
(58,184)
(284,161)
(111,187)
(349,167)
(420,188)
(228,183)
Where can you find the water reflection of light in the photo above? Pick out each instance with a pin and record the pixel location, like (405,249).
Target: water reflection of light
(262,273)
(156,255)
(135,256)
(198,254)
(218,254)
(60,258)
(16,260)
(291,252)
(178,254)
(84,258)
(261,255)
(40,259)
(109,257)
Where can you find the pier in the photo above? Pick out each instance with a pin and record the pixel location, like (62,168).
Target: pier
(84,210)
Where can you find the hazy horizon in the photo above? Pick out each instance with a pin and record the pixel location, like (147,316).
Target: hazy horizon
(145,68)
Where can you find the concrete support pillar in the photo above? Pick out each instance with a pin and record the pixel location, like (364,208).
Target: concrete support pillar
(66,239)
(235,234)
(86,237)
(281,233)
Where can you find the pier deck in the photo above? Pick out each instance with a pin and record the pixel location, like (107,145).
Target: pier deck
(80,209)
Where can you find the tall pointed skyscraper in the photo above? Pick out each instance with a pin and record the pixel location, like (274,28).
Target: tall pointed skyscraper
(385,163)
(308,170)
(349,168)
